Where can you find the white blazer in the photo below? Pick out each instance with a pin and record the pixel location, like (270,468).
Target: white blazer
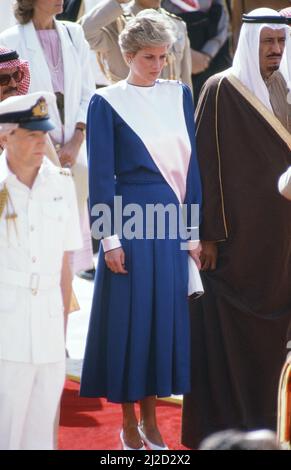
(78,79)
(79,83)
(7,17)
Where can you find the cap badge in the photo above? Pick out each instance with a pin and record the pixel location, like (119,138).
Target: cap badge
(40,109)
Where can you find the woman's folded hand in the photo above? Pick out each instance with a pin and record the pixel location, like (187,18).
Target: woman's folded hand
(115,261)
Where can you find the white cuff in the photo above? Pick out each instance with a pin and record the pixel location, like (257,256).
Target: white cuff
(193,244)
(284,184)
(110,243)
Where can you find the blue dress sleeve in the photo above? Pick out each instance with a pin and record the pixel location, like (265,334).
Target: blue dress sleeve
(101,160)
(193,184)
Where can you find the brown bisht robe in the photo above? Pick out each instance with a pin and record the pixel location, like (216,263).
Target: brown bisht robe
(239,327)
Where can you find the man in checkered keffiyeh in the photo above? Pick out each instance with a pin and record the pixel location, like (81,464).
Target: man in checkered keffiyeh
(14,74)
(14,79)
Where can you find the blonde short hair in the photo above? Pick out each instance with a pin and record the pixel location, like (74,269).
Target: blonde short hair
(147,29)
(24,10)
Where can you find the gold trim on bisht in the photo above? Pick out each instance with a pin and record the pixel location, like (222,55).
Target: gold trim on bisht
(219,156)
(261,108)
(284,406)
(204,91)
(198,107)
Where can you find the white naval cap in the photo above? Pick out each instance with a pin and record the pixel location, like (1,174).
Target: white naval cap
(28,111)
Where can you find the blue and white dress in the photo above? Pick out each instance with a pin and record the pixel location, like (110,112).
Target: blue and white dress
(141,147)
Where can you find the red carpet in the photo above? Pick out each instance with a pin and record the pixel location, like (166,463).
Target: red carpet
(94,424)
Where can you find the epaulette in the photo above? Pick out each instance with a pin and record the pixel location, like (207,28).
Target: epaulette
(65,171)
(127,15)
(67,24)
(172,15)
(126,11)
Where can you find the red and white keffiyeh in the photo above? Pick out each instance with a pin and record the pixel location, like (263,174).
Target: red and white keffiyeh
(23,86)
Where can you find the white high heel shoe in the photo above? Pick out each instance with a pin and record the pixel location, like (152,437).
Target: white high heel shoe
(125,446)
(150,444)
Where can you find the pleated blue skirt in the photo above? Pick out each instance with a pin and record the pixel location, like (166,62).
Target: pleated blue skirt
(138,342)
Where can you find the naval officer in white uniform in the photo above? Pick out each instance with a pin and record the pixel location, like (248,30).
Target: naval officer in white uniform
(39,224)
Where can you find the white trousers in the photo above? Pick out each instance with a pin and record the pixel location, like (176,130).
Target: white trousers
(29,399)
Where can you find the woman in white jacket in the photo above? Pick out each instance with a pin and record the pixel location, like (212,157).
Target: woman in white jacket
(59,61)
(6,18)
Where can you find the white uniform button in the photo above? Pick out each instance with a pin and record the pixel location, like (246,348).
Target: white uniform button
(32,228)
(33,259)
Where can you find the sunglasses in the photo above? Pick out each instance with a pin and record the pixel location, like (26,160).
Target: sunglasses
(17,76)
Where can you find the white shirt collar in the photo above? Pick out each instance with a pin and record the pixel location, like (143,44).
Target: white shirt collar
(6,174)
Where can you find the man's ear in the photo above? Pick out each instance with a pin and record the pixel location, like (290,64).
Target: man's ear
(6,130)
(3,141)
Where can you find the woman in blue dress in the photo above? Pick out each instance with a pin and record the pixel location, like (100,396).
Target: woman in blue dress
(141,148)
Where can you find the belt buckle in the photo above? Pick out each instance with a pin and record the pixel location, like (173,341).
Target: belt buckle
(34,283)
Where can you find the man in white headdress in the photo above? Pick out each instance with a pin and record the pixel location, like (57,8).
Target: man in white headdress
(38,209)
(238,7)
(239,326)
